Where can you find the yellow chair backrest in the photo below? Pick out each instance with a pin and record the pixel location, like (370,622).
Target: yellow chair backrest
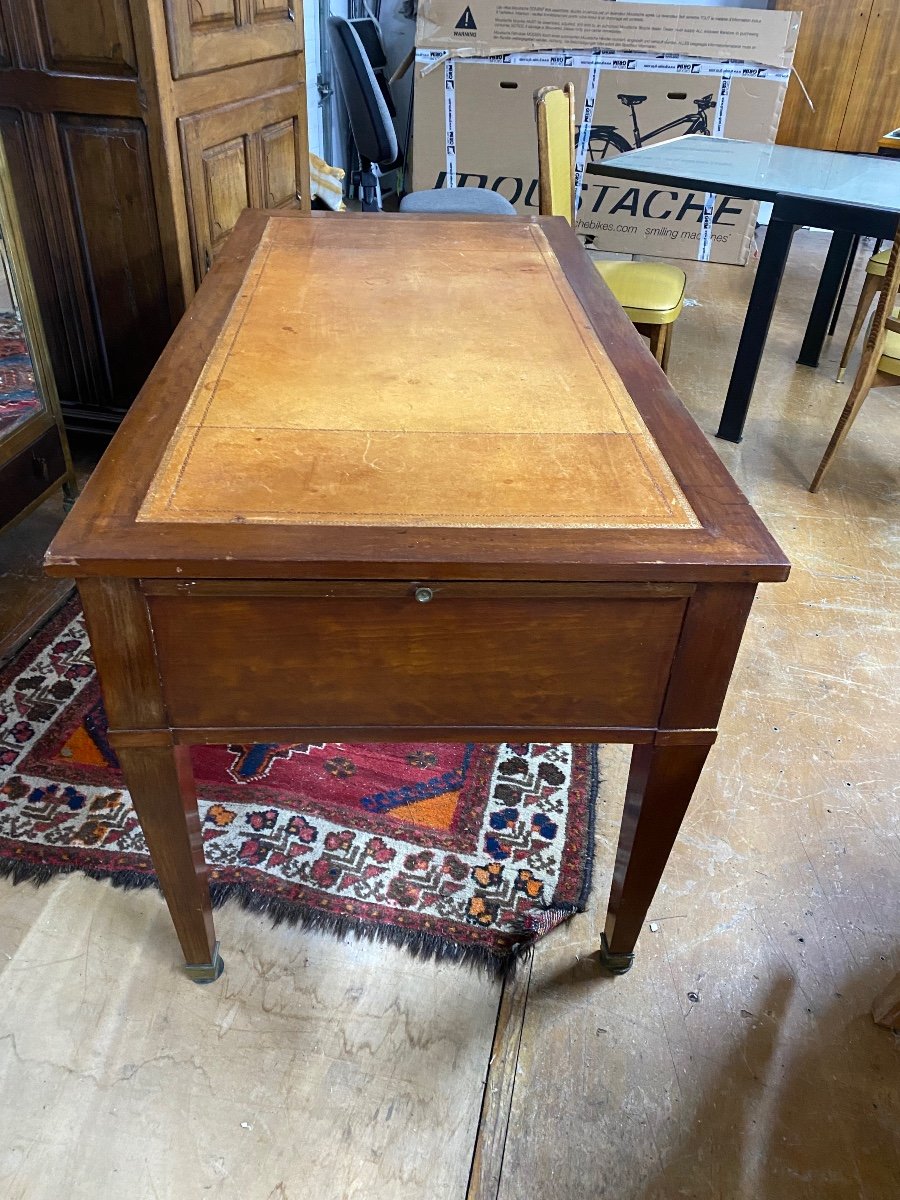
(555,114)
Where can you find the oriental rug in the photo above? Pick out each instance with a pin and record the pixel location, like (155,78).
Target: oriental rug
(468,852)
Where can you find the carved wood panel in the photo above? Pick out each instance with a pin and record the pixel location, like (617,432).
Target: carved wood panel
(92,37)
(228,178)
(270,10)
(280,163)
(224,33)
(238,156)
(213,14)
(107,168)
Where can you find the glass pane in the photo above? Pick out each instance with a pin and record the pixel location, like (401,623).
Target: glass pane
(19,396)
(762,172)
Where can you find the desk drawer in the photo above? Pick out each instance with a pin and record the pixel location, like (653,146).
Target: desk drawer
(382,655)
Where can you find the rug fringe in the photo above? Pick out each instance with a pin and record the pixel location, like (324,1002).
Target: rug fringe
(590,849)
(425,946)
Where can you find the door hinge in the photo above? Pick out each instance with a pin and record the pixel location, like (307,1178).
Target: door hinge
(324,88)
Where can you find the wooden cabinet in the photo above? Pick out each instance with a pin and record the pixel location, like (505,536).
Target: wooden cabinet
(136,132)
(239,156)
(848,56)
(873,108)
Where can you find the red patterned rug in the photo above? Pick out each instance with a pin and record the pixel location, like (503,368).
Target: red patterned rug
(469,852)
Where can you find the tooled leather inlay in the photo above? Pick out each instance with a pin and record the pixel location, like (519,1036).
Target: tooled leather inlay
(411,373)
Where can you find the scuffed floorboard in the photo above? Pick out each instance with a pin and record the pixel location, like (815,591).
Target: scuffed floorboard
(739,1059)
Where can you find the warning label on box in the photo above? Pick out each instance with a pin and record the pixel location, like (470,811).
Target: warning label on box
(487,27)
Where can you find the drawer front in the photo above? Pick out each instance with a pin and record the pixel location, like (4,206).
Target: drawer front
(514,656)
(30,473)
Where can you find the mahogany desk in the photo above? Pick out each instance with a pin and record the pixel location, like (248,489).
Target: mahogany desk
(411,478)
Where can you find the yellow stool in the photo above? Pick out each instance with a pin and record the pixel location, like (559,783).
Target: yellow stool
(652,293)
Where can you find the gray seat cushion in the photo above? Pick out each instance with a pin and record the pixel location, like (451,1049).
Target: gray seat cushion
(456,200)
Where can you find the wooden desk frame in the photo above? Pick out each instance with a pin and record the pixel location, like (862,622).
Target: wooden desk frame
(149,590)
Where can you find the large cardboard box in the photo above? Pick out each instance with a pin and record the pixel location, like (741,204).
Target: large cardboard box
(685,69)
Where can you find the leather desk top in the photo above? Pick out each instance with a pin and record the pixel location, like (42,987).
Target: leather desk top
(367,395)
(397,380)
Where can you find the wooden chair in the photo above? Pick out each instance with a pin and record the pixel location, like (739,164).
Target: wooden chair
(652,293)
(876,269)
(880,363)
(888,147)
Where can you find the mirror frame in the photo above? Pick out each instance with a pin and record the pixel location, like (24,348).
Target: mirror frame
(23,435)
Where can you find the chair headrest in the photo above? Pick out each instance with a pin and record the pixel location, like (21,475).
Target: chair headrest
(355,44)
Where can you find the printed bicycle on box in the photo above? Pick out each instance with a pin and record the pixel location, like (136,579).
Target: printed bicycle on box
(604,138)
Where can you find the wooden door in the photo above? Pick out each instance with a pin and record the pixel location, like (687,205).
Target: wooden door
(74,127)
(832,33)
(848,56)
(873,106)
(214,34)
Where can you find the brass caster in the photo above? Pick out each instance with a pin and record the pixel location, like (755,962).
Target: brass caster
(616,964)
(206,972)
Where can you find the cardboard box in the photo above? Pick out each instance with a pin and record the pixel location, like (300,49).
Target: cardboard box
(695,69)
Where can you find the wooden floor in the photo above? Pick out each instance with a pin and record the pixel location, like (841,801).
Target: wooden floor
(738,1060)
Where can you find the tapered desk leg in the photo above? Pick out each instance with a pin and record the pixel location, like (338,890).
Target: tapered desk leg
(161,783)
(660,786)
(158,773)
(756,328)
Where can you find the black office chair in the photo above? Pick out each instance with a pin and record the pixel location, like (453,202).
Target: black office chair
(361,63)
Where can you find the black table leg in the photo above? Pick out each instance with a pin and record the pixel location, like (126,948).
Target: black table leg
(839,303)
(756,327)
(826,296)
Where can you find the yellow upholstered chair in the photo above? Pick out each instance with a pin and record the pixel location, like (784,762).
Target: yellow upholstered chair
(651,293)
(880,363)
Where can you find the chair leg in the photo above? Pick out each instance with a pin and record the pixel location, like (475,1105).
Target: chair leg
(842,292)
(658,342)
(870,289)
(861,388)
(667,347)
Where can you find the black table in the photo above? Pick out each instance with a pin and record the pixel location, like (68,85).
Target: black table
(850,194)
